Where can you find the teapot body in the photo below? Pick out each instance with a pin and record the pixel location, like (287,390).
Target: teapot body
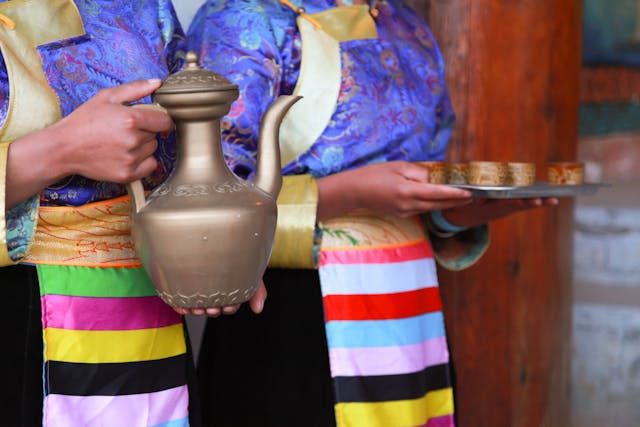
(206,243)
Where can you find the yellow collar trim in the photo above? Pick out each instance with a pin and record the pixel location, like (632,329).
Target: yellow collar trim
(43,21)
(343,23)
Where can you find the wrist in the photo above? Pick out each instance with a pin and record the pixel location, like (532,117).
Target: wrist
(443,225)
(55,156)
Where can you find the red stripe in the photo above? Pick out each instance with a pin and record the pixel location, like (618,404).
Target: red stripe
(382,306)
(417,250)
(106,314)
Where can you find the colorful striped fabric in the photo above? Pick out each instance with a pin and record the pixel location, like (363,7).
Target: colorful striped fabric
(115,354)
(385,329)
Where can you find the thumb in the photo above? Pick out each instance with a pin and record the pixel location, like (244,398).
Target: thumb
(132,91)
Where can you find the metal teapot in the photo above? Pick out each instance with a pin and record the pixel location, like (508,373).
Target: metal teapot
(205,235)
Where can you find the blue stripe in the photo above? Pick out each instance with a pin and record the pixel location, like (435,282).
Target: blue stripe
(184,422)
(385,333)
(356,279)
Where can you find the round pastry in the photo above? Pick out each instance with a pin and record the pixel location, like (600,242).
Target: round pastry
(565,173)
(457,173)
(520,174)
(487,173)
(437,171)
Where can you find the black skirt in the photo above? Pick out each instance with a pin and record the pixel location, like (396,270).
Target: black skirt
(22,358)
(270,369)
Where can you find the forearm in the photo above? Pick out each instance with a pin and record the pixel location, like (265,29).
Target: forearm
(334,198)
(33,163)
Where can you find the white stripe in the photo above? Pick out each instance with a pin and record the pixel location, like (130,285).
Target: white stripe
(367,279)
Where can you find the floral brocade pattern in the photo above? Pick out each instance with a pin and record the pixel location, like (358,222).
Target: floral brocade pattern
(256,44)
(20,225)
(123,42)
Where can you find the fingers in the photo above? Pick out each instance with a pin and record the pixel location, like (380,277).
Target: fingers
(257,301)
(414,172)
(136,166)
(523,204)
(152,120)
(129,92)
(433,192)
(209,311)
(144,161)
(491,209)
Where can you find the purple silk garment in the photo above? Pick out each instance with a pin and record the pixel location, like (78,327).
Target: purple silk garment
(256,44)
(123,43)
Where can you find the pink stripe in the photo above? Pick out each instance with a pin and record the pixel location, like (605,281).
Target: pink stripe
(444,421)
(411,252)
(107,314)
(364,361)
(131,410)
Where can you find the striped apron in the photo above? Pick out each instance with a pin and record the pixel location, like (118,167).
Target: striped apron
(385,329)
(114,352)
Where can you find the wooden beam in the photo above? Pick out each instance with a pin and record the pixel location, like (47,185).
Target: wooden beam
(513,72)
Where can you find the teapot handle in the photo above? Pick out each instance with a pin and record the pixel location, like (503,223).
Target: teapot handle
(135,188)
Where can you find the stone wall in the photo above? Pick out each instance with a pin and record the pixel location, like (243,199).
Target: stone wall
(606,328)
(606,331)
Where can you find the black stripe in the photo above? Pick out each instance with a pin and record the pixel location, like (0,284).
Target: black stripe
(115,379)
(392,387)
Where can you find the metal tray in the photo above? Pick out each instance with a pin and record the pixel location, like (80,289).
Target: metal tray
(539,189)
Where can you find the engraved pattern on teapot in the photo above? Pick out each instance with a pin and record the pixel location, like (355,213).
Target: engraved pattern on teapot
(201,300)
(204,79)
(191,190)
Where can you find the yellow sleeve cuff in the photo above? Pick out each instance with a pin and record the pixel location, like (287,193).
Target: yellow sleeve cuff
(293,246)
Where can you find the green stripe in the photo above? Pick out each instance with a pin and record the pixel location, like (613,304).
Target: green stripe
(94,282)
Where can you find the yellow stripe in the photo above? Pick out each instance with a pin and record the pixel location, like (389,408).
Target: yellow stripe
(400,413)
(113,346)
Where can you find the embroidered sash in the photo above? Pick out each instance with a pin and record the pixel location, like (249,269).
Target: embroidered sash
(383,313)
(115,354)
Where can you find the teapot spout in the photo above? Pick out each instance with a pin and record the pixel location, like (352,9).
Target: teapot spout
(268,171)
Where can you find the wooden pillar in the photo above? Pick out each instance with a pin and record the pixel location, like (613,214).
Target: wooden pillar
(513,72)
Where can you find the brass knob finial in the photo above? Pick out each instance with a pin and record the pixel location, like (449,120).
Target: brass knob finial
(192,59)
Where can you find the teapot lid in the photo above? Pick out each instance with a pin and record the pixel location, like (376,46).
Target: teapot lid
(194,78)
